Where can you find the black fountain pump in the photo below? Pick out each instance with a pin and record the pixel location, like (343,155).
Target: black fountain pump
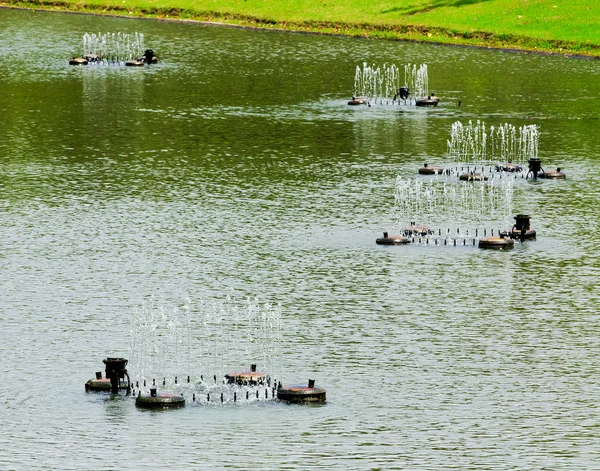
(116,371)
(535,167)
(149,56)
(522,222)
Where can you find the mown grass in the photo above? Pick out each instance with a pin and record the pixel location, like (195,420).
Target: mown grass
(558,26)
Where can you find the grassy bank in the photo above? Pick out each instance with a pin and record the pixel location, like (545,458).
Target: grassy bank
(556,26)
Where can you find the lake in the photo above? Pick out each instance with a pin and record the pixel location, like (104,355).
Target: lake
(234,165)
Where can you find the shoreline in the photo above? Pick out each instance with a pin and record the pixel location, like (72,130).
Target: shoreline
(419,34)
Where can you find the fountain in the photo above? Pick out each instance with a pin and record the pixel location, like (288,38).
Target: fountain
(194,352)
(381,85)
(503,149)
(452,213)
(115,49)
(480,145)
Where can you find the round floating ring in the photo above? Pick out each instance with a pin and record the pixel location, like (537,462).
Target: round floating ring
(529,234)
(393,240)
(499,243)
(552,174)
(473,177)
(300,393)
(245,377)
(102,385)
(429,101)
(78,61)
(358,100)
(160,401)
(427,170)
(509,167)
(134,64)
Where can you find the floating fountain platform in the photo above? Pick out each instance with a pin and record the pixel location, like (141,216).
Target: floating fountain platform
(430,100)
(496,243)
(358,100)
(246,377)
(433,170)
(299,393)
(156,400)
(392,240)
(100,384)
(553,174)
(78,61)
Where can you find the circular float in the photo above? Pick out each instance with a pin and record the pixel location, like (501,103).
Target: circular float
(473,177)
(300,393)
(156,400)
(497,243)
(430,100)
(78,61)
(392,240)
(433,170)
(358,100)
(100,384)
(553,174)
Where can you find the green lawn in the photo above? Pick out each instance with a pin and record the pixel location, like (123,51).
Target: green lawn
(571,26)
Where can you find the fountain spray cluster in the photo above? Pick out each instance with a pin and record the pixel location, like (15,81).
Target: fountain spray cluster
(417,79)
(112,48)
(383,83)
(189,350)
(454,206)
(476,143)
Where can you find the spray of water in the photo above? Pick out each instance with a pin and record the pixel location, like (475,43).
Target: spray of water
(113,48)
(380,84)
(476,143)
(203,341)
(453,205)
(417,79)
